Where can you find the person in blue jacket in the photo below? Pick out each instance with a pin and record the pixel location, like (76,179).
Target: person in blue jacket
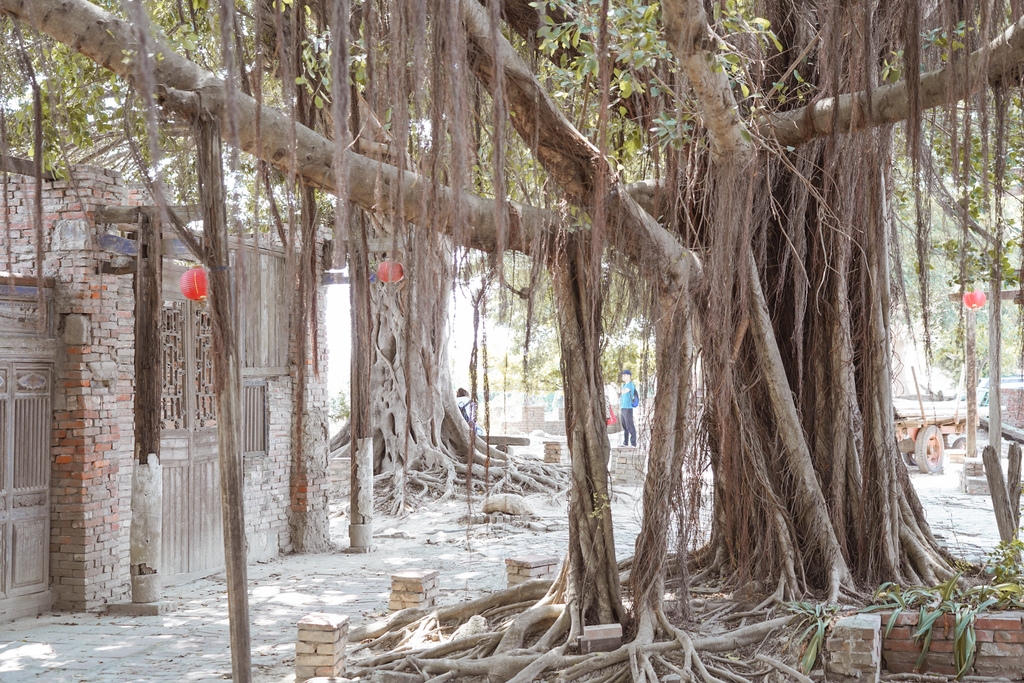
(628,400)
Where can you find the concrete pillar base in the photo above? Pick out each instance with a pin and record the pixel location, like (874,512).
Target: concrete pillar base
(360,538)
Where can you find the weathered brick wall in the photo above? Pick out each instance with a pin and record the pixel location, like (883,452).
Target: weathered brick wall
(93,420)
(92,436)
(310,480)
(1014,400)
(266,478)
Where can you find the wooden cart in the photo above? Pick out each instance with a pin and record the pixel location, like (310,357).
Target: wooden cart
(922,441)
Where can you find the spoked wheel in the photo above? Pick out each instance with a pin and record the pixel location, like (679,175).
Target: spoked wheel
(930,450)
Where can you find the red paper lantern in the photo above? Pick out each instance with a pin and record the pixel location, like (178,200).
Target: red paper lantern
(193,284)
(390,271)
(975,300)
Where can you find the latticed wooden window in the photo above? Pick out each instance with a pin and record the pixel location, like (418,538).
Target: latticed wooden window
(173,402)
(254,418)
(206,401)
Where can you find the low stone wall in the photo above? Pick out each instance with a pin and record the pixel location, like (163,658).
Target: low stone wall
(851,652)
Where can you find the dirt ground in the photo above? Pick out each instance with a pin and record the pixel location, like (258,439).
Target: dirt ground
(191,643)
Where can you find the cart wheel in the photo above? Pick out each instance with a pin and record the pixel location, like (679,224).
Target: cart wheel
(959,443)
(930,450)
(908,458)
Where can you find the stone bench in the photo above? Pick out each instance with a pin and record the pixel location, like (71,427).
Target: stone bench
(320,648)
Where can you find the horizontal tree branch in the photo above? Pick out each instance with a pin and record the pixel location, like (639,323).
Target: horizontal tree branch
(891,103)
(104,38)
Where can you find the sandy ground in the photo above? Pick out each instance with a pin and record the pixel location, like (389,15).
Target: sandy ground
(191,643)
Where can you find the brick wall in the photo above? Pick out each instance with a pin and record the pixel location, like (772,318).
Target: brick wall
(310,480)
(93,420)
(1014,401)
(92,435)
(1000,645)
(266,478)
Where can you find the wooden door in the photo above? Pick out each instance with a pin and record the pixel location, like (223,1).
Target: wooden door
(25,419)
(192,529)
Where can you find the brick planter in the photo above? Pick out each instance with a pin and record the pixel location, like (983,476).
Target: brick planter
(1000,645)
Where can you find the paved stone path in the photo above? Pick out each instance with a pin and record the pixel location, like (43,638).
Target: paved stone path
(191,643)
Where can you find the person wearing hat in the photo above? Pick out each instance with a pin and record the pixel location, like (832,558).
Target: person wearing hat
(628,400)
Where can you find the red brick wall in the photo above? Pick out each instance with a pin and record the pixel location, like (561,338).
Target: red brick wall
(93,421)
(1000,648)
(1014,401)
(92,436)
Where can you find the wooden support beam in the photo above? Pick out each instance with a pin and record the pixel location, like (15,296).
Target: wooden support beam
(129,215)
(1014,295)
(972,382)
(148,341)
(147,513)
(13,280)
(227,382)
(1000,498)
(23,167)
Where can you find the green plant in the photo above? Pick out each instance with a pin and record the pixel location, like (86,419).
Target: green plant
(963,604)
(818,617)
(339,409)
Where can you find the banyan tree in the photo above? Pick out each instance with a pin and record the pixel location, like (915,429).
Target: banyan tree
(735,159)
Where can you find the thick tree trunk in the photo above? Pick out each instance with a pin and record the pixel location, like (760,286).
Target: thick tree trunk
(594,574)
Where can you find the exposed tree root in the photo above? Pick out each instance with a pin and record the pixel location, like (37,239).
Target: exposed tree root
(440,477)
(530,633)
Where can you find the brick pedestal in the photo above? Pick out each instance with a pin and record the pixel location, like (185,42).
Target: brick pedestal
(601,638)
(854,648)
(627,466)
(527,567)
(413,588)
(320,648)
(553,452)
(973,479)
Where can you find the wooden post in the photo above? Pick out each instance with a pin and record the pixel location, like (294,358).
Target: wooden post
(227,385)
(997,489)
(972,384)
(146,502)
(1013,482)
(995,360)
(360,530)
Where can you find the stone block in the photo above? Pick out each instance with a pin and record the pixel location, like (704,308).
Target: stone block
(77,330)
(322,621)
(420,578)
(601,638)
(531,561)
(854,648)
(71,235)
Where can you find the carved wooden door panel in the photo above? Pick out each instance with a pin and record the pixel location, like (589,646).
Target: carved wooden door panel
(25,420)
(192,524)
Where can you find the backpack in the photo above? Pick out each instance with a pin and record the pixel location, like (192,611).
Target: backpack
(636,398)
(468,410)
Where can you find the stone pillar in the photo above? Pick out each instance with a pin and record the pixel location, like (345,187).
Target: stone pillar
(360,529)
(147,508)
